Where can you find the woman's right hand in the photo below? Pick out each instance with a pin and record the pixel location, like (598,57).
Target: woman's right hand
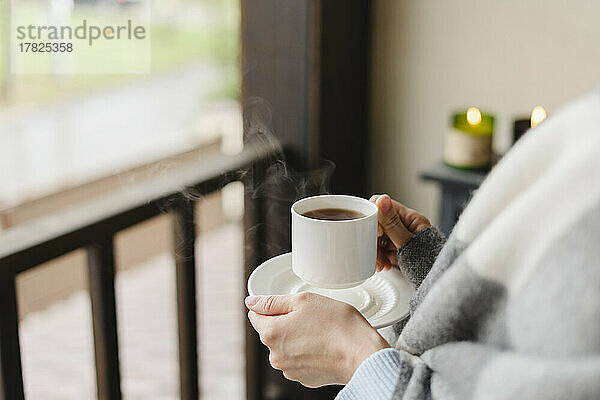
(397,224)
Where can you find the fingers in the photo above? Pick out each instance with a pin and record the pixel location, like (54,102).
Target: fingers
(383,242)
(386,251)
(391,221)
(373,199)
(380,261)
(264,325)
(386,259)
(270,305)
(419,223)
(412,220)
(258,322)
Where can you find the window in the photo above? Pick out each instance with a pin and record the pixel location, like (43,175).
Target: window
(58,131)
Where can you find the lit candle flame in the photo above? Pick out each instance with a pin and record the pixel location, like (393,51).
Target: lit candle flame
(473,116)
(538,114)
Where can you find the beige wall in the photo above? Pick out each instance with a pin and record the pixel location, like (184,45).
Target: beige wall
(432,57)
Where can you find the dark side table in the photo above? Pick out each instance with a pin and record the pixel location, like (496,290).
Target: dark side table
(457,186)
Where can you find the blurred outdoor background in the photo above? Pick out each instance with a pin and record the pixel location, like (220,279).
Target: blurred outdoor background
(369,85)
(67,138)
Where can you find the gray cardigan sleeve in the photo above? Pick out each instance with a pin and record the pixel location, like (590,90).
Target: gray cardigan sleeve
(417,255)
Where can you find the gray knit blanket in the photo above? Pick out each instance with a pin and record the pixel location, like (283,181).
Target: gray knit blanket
(510,307)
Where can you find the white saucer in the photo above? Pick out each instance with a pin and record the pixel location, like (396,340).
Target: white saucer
(382,299)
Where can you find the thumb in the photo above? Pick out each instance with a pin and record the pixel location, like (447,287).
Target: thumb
(269,305)
(391,222)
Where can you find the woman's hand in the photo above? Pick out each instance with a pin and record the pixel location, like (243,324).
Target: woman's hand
(313,339)
(397,224)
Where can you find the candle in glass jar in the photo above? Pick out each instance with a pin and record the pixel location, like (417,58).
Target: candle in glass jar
(468,142)
(538,114)
(521,125)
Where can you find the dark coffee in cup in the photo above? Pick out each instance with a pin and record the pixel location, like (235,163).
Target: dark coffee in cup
(333,214)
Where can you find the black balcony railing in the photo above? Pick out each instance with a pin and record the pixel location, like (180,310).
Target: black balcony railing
(93,226)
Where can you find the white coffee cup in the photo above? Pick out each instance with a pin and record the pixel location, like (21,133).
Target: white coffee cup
(334,254)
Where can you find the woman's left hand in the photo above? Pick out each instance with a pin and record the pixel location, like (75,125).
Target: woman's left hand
(313,339)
